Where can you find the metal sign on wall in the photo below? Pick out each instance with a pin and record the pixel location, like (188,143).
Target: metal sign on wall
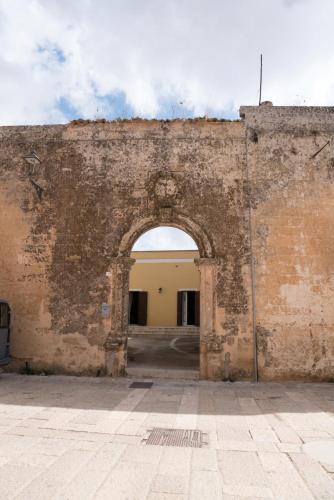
(105,310)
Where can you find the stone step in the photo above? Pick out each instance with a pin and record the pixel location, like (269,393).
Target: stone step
(160,373)
(173,331)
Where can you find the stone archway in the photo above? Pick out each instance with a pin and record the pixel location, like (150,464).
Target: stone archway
(170,218)
(116,343)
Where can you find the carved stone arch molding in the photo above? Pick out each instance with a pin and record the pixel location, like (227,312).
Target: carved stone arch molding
(167,217)
(116,343)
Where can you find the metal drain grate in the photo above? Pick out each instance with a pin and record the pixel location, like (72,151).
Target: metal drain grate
(176,437)
(141,385)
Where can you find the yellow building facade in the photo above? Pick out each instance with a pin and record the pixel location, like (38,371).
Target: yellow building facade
(164,288)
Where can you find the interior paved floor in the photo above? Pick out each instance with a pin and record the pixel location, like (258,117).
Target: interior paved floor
(165,352)
(79,438)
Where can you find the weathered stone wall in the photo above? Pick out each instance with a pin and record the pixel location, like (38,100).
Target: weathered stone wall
(101,180)
(65,258)
(292,182)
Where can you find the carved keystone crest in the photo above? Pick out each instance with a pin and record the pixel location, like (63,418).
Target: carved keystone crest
(165,190)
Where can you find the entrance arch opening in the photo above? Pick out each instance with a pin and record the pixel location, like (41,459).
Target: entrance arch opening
(164,303)
(116,343)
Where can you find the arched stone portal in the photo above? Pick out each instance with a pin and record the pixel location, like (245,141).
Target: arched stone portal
(116,343)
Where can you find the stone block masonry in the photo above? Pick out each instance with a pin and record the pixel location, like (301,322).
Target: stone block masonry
(256,195)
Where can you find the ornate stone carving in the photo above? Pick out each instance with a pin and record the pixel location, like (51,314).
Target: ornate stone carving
(165,190)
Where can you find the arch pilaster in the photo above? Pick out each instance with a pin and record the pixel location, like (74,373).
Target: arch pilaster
(208,271)
(116,342)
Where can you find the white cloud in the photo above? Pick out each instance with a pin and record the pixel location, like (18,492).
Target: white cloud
(165,238)
(204,53)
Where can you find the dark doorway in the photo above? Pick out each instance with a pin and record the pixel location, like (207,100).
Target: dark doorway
(4,332)
(188,308)
(138,308)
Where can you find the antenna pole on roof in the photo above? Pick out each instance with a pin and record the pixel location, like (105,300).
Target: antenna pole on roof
(260,96)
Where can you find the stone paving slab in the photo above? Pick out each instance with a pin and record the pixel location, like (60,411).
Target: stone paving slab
(84,438)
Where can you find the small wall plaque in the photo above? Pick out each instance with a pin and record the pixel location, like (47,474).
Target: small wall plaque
(105,310)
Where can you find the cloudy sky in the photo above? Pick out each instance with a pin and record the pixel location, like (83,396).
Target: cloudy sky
(165,238)
(65,59)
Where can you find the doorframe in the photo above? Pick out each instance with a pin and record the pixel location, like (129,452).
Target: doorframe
(129,305)
(182,311)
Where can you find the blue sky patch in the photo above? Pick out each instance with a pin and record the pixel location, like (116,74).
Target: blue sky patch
(115,106)
(53,52)
(65,106)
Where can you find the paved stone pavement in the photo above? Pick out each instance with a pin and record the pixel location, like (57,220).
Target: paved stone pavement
(79,438)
